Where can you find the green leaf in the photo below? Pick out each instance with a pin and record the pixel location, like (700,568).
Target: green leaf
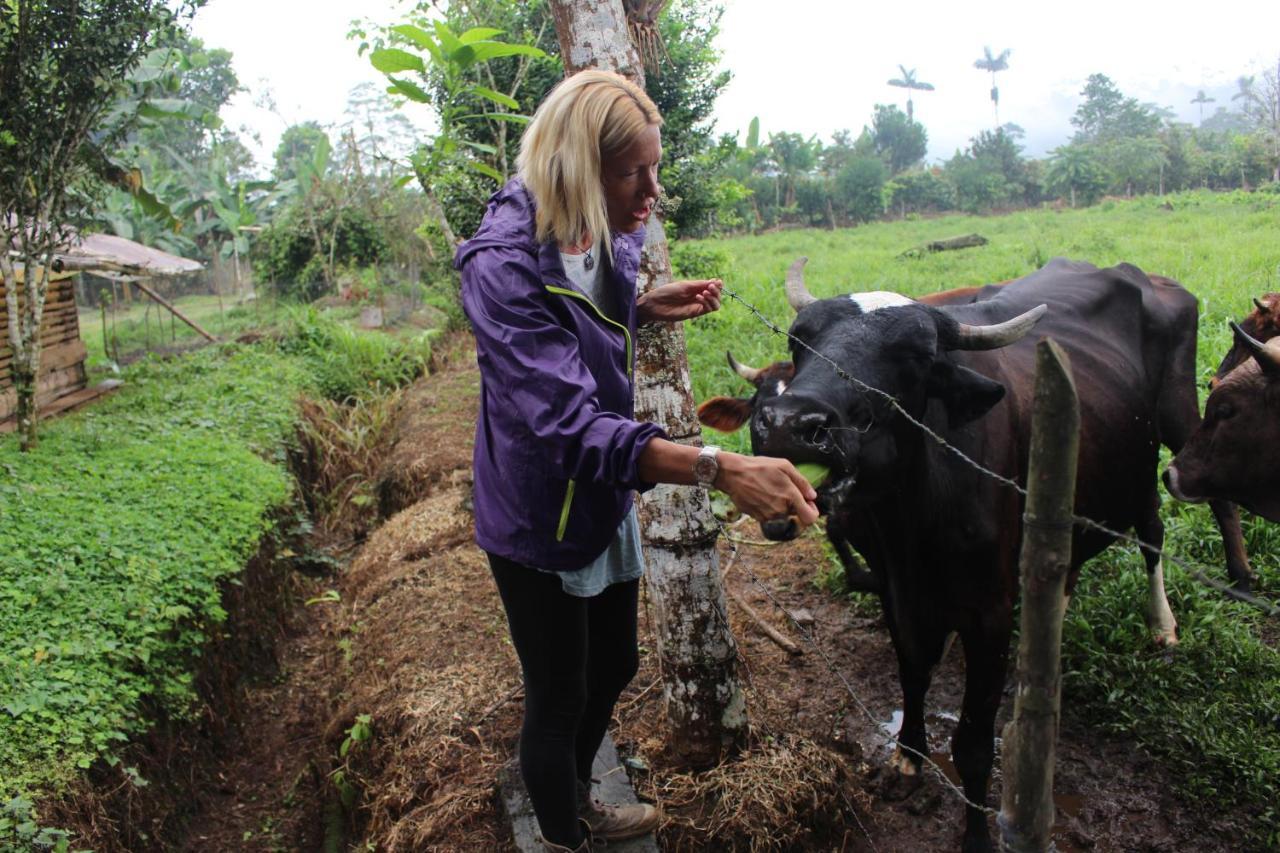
(496,97)
(328,596)
(412,91)
(514,118)
(449,42)
(404,181)
(486,169)
(484,51)
(421,38)
(478,33)
(479,146)
(320,156)
(392,60)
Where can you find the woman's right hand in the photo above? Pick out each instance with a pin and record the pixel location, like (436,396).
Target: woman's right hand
(767,488)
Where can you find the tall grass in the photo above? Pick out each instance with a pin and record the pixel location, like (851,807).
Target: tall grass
(349,364)
(1210,709)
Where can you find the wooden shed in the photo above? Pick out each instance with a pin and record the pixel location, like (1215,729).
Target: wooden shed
(62,381)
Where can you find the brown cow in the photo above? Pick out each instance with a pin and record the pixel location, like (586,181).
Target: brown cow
(1262,324)
(1235,452)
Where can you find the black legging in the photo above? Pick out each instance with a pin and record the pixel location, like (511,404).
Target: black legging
(577,655)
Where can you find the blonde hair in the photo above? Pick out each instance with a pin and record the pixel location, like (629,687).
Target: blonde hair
(588,117)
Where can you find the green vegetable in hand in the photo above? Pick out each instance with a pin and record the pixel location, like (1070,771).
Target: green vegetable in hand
(814,472)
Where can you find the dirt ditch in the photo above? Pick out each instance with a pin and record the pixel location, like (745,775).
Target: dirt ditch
(391,703)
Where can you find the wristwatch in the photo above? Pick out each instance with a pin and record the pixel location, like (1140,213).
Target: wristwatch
(706,467)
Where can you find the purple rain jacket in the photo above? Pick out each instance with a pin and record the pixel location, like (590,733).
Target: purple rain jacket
(556,445)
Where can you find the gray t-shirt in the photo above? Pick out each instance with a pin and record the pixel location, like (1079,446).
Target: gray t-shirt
(622,560)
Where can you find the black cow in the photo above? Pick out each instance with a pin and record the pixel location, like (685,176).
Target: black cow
(1235,452)
(941,538)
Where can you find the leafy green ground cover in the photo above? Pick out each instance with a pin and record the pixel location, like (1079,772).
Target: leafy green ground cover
(1210,708)
(118,532)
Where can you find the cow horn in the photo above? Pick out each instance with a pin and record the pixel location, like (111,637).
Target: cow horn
(1263,308)
(1268,359)
(746,371)
(997,335)
(797,294)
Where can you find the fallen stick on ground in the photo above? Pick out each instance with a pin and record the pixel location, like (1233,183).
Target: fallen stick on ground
(768,630)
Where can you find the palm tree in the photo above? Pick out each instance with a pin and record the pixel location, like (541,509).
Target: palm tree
(993,63)
(1201,99)
(1245,91)
(908,81)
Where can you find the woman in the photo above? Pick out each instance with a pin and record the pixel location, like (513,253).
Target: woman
(548,283)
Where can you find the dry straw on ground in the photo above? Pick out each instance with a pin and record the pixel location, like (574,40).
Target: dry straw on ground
(432,664)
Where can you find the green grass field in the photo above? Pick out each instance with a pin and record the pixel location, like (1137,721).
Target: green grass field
(1223,248)
(1211,710)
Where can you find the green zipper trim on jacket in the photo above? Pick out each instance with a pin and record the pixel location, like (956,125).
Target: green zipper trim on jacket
(564,291)
(564,511)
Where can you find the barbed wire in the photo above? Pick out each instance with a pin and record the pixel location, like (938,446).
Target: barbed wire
(809,638)
(1196,572)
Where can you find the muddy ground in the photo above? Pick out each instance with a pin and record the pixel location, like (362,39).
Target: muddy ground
(416,644)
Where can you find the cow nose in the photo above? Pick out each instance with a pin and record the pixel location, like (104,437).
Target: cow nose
(795,424)
(812,427)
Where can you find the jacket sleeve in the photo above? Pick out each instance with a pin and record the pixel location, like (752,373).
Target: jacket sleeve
(535,378)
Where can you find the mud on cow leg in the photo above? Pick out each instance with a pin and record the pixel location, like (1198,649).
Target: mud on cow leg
(917,657)
(986,651)
(904,775)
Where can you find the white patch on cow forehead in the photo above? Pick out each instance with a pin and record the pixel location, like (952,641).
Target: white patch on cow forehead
(874,300)
(782,386)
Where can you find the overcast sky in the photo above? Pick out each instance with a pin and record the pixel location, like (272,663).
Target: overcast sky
(816,66)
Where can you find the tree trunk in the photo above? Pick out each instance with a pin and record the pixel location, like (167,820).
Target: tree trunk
(24,334)
(704,699)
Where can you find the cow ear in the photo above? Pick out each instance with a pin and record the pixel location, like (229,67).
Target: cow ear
(725,413)
(966,394)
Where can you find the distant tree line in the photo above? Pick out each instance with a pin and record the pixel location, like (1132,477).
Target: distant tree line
(372,191)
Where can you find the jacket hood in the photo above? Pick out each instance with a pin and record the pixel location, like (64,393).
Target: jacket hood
(509,223)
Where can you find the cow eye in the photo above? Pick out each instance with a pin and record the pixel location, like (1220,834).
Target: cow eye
(1224,411)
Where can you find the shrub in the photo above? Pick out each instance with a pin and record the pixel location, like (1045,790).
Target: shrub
(690,260)
(347,364)
(285,253)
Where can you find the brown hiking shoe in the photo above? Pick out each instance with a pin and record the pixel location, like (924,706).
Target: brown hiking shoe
(588,843)
(615,822)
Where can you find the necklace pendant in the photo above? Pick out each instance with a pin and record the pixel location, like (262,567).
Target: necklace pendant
(589,262)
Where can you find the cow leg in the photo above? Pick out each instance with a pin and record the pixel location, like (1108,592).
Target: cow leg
(917,658)
(1227,515)
(857,577)
(986,652)
(1164,628)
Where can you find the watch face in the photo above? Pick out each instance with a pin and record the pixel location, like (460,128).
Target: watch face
(705,469)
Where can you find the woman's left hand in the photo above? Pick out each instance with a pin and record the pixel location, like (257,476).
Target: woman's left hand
(679,300)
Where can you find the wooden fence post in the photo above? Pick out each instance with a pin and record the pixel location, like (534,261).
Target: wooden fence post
(1027,758)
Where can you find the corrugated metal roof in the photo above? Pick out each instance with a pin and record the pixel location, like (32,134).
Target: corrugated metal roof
(113,249)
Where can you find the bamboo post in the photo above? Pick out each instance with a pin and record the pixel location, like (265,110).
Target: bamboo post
(1027,762)
(184,318)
